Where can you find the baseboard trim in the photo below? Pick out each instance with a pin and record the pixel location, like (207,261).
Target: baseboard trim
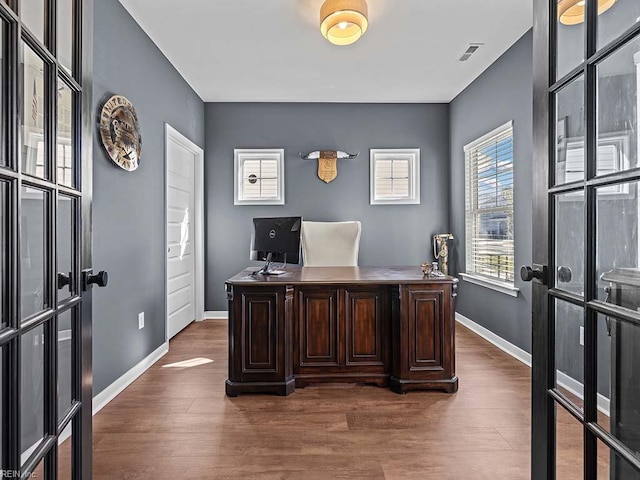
(104,397)
(564,381)
(216,315)
(507,347)
(112,391)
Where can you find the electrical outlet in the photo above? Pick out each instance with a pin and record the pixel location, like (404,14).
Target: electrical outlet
(140,320)
(582,336)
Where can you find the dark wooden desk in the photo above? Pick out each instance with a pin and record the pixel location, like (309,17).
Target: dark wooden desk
(384,325)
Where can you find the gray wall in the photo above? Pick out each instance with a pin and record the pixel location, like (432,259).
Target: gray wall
(128,210)
(502,93)
(391,235)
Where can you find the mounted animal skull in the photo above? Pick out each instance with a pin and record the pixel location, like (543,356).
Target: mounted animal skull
(327,162)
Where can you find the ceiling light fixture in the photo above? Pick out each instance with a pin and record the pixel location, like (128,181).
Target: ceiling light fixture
(343,22)
(571,12)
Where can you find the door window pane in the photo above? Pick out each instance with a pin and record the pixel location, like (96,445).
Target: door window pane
(570,242)
(33,114)
(569,351)
(612,466)
(3,75)
(33,288)
(65,33)
(618,109)
(617,245)
(570,48)
(569,446)
(65,245)
(65,344)
(570,130)
(64,460)
(620,15)
(32,15)
(32,390)
(1,404)
(64,150)
(619,379)
(4,255)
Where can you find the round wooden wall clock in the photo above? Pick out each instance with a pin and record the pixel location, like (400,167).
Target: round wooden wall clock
(120,132)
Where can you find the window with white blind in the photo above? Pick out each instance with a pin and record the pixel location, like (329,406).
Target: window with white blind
(395,176)
(259,177)
(489,206)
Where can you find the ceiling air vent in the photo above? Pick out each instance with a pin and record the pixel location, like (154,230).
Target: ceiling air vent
(473,48)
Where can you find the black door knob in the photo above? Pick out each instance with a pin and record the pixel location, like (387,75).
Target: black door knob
(564,274)
(527,273)
(63,280)
(100,279)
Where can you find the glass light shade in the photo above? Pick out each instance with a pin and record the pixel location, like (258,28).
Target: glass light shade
(343,22)
(571,12)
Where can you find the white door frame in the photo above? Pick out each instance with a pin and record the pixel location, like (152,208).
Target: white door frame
(171,134)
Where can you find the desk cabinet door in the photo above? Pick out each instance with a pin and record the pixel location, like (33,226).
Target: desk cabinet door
(366,323)
(427,328)
(259,332)
(318,336)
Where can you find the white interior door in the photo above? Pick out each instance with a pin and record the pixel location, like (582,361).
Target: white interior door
(181,190)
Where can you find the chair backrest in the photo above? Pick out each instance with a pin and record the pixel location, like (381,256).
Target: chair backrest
(330,244)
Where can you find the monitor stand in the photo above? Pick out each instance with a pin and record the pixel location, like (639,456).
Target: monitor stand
(266,269)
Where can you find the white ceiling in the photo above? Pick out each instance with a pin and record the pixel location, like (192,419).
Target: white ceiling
(272,50)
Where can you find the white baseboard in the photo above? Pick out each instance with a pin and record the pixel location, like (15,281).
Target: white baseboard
(564,381)
(104,397)
(501,343)
(216,315)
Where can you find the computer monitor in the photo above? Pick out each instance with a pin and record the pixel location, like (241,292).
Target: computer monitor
(276,240)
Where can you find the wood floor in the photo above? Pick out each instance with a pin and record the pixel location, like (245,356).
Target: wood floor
(175,422)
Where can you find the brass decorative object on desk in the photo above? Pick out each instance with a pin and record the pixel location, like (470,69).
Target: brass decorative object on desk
(441,250)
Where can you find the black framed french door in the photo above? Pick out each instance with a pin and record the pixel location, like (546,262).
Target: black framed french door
(586,295)
(45,232)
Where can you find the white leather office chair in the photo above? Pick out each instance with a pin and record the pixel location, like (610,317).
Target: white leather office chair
(330,244)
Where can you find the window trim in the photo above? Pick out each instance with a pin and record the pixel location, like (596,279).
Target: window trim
(242,154)
(494,283)
(414,176)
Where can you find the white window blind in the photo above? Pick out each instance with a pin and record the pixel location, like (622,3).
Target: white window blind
(395,176)
(489,205)
(259,177)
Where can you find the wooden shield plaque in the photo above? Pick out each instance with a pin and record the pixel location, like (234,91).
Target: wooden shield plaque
(328,166)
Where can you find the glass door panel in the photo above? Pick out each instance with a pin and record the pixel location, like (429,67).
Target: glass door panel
(569,352)
(3,102)
(65,33)
(569,446)
(620,15)
(64,144)
(4,255)
(569,249)
(65,450)
(570,44)
(32,14)
(618,269)
(617,109)
(32,373)
(619,379)
(65,362)
(570,131)
(34,100)
(67,274)
(33,256)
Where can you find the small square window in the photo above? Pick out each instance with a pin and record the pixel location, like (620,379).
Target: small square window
(395,176)
(259,177)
